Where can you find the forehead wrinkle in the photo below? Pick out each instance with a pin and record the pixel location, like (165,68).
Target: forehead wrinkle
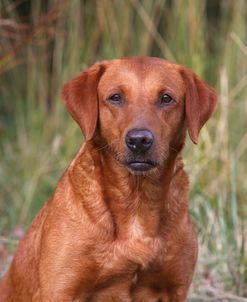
(167,80)
(136,77)
(116,78)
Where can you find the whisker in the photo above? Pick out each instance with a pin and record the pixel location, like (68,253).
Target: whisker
(101,148)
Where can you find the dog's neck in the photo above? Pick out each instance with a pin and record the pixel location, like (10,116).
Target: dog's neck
(134,201)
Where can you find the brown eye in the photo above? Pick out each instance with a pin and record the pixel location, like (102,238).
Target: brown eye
(164,100)
(116,99)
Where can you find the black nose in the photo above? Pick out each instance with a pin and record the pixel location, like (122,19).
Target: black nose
(139,140)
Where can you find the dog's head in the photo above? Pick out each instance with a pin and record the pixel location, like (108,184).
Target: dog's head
(140,108)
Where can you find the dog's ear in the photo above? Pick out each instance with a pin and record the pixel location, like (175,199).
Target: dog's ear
(81,98)
(200,100)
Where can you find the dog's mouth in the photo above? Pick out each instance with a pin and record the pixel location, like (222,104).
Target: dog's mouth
(141,166)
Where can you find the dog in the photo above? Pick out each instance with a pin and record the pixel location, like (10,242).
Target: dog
(117,227)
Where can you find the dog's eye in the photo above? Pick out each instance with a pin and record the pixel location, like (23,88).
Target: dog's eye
(164,100)
(116,99)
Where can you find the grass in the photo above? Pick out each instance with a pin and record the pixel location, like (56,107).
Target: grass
(45,43)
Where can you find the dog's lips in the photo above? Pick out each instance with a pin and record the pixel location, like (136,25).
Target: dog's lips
(141,166)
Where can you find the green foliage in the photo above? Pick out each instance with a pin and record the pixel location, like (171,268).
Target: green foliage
(48,42)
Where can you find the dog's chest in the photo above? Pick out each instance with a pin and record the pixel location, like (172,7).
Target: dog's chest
(122,257)
(135,229)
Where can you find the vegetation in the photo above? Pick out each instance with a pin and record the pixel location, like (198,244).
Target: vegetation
(45,43)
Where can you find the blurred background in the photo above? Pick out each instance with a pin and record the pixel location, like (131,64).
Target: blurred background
(45,43)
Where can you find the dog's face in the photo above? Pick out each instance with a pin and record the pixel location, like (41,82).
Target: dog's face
(141,111)
(143,107)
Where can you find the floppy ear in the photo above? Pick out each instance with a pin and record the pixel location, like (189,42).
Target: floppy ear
(81,98)
(200,100)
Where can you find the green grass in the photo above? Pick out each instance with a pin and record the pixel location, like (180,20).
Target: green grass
(38,139)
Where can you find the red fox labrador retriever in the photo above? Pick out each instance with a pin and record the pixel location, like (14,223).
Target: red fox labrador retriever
(117,227)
